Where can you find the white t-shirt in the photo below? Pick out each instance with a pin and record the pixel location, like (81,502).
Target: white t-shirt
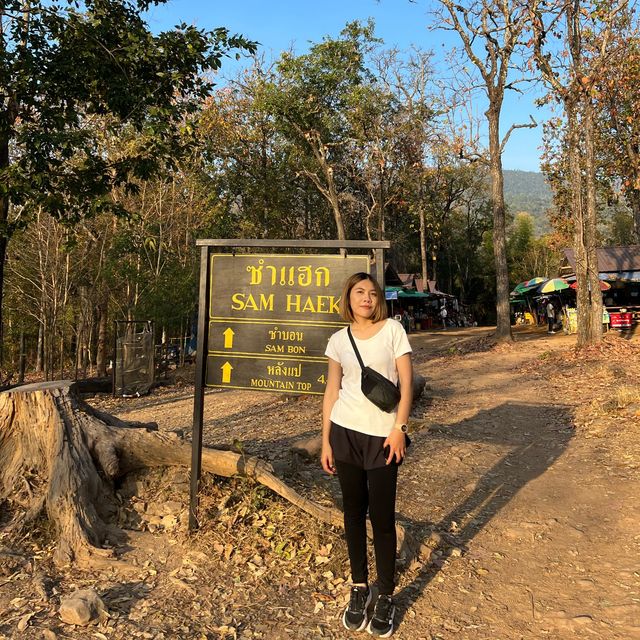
(352,409)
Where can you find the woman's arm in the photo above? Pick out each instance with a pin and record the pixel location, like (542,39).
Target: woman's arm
(396,440)
(334,379)
(405,376)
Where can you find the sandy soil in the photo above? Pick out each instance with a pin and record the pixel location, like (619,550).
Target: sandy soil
(521,485)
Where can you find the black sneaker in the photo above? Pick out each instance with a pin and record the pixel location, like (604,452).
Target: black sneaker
(381,624)
(354,617)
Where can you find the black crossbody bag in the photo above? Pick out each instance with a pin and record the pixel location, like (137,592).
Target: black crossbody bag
(378,389)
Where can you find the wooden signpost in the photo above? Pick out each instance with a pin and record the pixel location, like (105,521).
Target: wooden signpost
(264,319)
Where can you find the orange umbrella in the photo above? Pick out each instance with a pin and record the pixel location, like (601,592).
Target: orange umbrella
(603,285)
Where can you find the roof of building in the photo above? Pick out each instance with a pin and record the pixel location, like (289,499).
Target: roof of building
(610,259)
(391,276)
(416,281)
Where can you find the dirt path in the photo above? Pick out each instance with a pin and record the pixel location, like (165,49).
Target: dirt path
(547,522)
(549,519)
(530,526)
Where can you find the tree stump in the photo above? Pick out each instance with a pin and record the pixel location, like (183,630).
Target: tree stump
(59,456)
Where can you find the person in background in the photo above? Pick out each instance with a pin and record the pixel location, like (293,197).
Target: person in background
(551,316)
(406,321)
(365,445)
(443,316)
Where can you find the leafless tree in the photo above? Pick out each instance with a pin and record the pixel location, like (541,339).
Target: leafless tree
(491,32)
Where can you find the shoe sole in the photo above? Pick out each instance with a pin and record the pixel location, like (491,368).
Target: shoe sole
(365,620)
(382,635)
(387,634)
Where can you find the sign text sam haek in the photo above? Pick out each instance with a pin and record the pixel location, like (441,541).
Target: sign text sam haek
(270,318)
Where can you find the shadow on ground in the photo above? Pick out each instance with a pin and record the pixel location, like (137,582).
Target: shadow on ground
(534,435)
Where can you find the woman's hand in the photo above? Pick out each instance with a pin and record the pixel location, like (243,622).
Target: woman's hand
(326,458)
(397,446)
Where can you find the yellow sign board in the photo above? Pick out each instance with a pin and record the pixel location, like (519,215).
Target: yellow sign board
(270,317)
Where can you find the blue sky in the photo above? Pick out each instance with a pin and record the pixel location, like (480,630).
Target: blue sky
(280,24)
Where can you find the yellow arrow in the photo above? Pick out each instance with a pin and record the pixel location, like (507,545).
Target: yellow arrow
(228,338)
(226,372)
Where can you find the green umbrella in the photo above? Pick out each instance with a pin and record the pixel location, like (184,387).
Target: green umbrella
(527,285)
(518,289)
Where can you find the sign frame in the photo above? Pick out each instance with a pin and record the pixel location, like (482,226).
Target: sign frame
(207,247)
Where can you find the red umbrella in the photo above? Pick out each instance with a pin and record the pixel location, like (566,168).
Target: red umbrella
(603,285)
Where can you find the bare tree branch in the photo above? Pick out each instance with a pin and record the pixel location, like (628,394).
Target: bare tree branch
(527,125)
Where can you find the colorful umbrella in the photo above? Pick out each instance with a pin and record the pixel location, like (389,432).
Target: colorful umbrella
(519,288)
(527,285)
(555,284)
(603,285)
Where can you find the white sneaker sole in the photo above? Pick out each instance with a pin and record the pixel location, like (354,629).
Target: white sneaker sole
(365,620)
(382,635)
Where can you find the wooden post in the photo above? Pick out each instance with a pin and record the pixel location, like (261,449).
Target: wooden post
(198,399)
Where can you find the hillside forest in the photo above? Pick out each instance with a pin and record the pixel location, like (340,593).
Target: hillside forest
(111,171)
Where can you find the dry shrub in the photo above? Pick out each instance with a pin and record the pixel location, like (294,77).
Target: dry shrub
(623,397)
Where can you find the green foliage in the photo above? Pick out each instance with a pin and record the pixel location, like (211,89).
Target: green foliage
(620,228)
(94,106)
(529,192)
(519,245)
(250,171)
(69,77)
(316,90)
(330,114)
(529,257)
(617,101)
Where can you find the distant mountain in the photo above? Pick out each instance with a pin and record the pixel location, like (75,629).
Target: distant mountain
(527,191)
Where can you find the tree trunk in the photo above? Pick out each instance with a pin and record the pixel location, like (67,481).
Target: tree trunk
(423,250)
(381,207)
(334,200)
(577,211)
(4,223)
(61,353)
(3,255)
(58,455)
(40,348)
(583,207)
(503,328)
(632,196)
(22,358)
(594,308)
(328,189)
(101,350)
(82,331)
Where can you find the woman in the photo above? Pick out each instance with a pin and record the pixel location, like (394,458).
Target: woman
(365,445)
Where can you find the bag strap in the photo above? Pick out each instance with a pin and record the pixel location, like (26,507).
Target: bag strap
(353,344)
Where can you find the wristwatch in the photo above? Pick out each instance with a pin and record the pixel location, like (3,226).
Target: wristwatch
(402,427)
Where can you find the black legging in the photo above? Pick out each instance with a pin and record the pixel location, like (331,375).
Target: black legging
(374,490)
